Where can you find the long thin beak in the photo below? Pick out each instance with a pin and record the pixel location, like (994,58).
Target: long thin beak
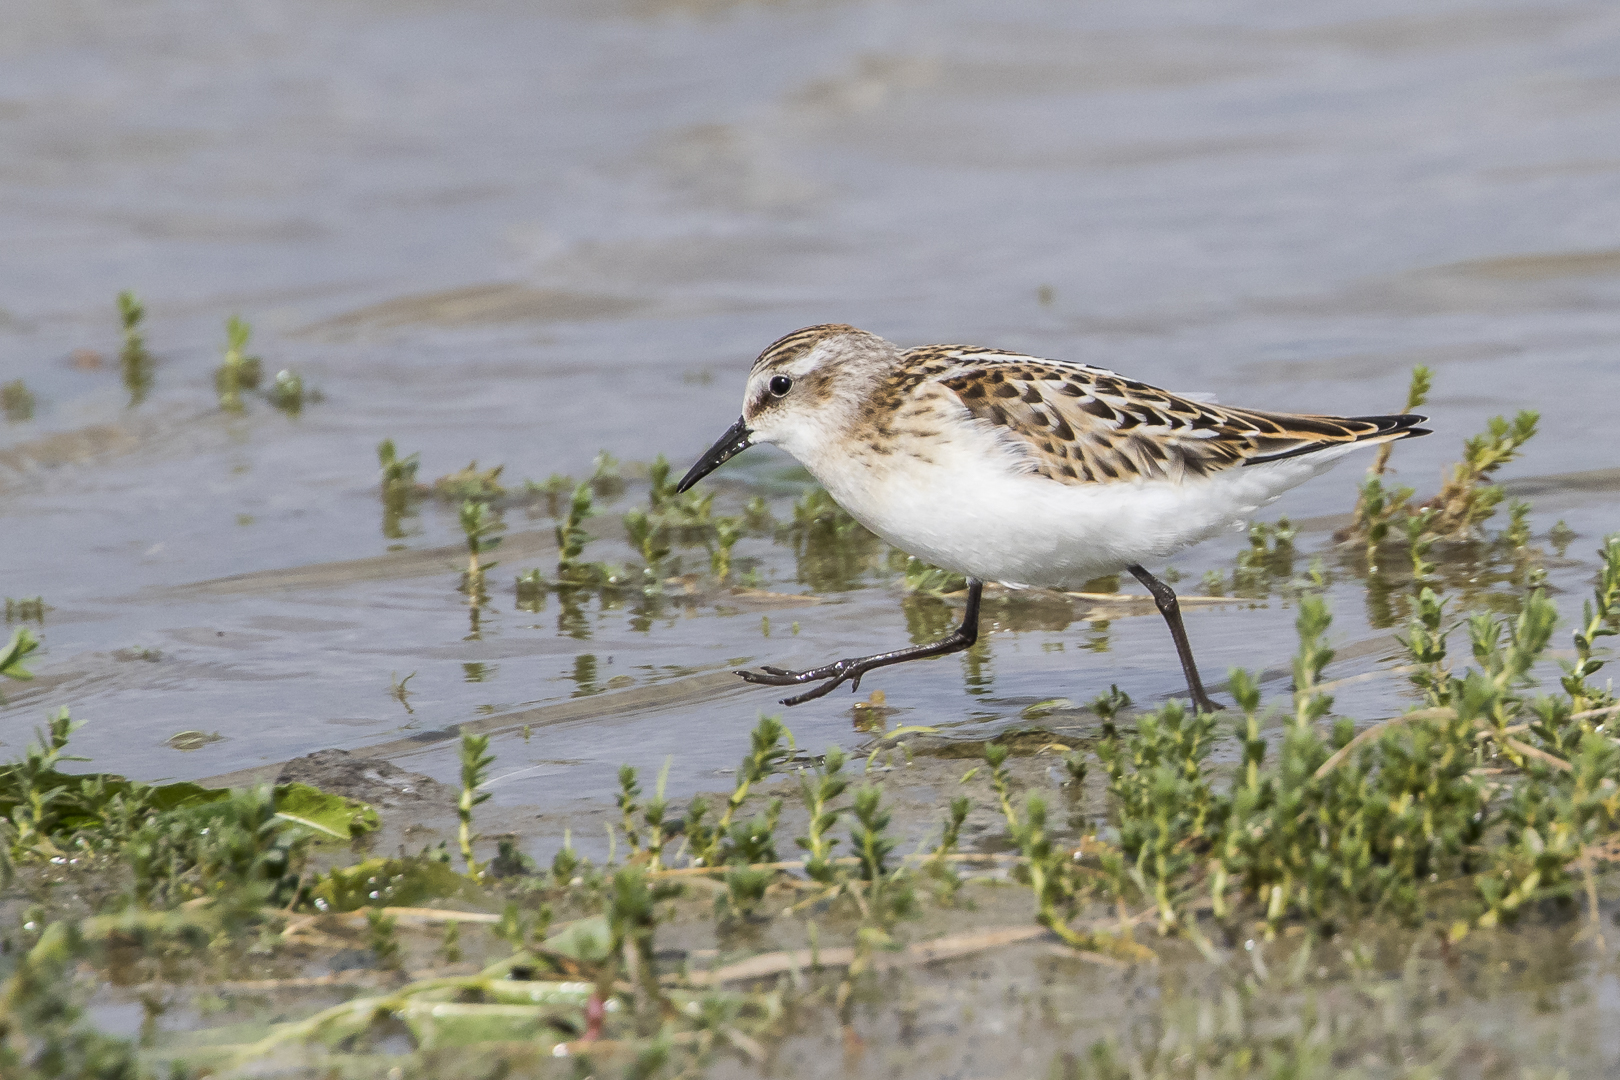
(729,445)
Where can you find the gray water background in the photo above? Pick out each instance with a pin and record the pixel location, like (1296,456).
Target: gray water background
(523,233)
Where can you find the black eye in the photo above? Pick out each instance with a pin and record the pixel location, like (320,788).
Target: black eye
(781,384)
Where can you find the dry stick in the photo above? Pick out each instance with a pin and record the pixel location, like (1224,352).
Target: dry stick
(847,860)
(923,952)
(1592,899)
(1441,713)
(1540,755)
(1373,732)
(1593,714)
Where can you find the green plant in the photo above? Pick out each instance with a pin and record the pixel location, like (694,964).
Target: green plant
(1417,393)
(479,525)
(239,850)
(43,1033)
(921,577)
(136,362)
(550,491)
(383,939)
(648,538)
(399,487)
(471,484)
(884,894)
(821,786)
(16,401)
(21,644)
(659,831)
(1598,616)
(475,762)
(239,371)
(727,531)
(450,943)
(605,481)
(1465,500)
(1159,782)
(288,394)
(629,792)
(1376,510)
(28,607)
(769,744)
(572,538)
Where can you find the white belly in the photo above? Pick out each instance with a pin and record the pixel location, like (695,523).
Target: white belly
(967,511)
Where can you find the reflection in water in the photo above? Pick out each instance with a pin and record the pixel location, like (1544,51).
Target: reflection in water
(571,618)
(928,618)
(476,671)
(584,675)
(475,616)
(977,676)
(832,550)
(136,361)
(645,609)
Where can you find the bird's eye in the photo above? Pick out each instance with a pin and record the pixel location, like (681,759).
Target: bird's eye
(781,384)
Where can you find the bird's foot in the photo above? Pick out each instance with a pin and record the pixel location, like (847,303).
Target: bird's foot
(829,675)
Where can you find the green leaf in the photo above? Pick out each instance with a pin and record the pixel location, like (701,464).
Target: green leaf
(389,883)
(588,940)
(331,815)
(21,644)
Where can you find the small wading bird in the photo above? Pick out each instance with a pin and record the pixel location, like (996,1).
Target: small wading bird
(1034,473)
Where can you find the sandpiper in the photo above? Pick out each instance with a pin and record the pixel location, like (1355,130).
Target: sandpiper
(1014,469)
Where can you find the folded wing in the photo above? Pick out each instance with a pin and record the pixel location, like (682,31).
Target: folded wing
(1080,424)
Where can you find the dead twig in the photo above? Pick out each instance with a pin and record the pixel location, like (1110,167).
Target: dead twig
(923,952)
(1368,734)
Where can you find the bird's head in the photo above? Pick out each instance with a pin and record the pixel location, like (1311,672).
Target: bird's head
(804,393)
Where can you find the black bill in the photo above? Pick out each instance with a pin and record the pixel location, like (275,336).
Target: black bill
(729,445)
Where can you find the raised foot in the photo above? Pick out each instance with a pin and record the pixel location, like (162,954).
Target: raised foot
(837,672)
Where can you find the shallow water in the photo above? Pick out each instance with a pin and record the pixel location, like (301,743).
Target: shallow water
(521,235)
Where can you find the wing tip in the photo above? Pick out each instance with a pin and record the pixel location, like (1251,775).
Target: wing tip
(1392,428)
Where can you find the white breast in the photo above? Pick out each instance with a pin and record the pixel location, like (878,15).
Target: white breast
(971,509)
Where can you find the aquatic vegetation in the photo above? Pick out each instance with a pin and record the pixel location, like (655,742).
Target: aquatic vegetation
(470,484)
(479,525)
(17,401)
(1482,803)
(11,656)
(1465,500)
(136,362)
(398,473)
(288,394)
(25,609)
(727,531)
(399,691)
(821,786)
(238,371)
(605,481)
(1417,395)
(921,577)
(1492,802)
(551,491)
(475,762)
(399,487)
(832,550)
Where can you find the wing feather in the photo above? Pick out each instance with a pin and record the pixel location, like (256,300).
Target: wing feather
(1082,424)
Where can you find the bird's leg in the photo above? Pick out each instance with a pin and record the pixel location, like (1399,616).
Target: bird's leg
(852,669)
(1170,608)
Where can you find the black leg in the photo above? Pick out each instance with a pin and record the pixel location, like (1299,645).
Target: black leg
(851,670)
(1170,608)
